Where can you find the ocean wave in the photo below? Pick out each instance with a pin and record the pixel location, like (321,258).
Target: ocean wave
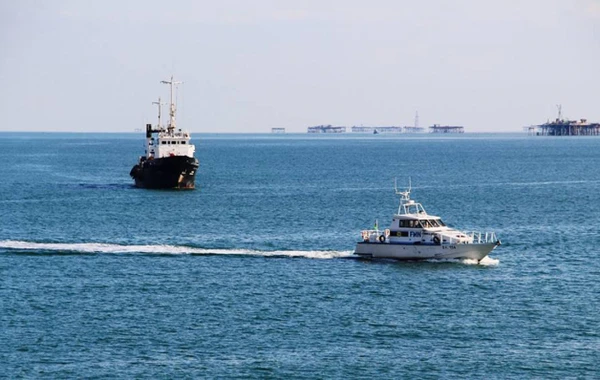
(486,261)
(88,248)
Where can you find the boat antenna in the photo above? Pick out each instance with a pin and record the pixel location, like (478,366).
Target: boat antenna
(171,82)
(405,195)
(159,104)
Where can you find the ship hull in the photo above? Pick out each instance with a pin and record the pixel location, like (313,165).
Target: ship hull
(423,251)
(175,172)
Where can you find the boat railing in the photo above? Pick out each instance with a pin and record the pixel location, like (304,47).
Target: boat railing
(478,237)
(471,237)
(375,235)
(458,237)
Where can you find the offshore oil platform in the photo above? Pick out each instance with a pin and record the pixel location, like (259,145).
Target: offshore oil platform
(564,127)
(326,129)
(436,128)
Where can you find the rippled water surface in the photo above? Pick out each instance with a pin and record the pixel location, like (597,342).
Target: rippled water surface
(252,274)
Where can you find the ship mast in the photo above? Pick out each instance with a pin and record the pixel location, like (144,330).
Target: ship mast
(171,125)
(159,104)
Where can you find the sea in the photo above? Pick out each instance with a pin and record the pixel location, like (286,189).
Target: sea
(252,274)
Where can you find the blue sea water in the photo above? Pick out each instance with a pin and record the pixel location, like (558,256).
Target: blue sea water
(252,274)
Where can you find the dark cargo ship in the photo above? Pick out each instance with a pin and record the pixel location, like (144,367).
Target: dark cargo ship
(169,162)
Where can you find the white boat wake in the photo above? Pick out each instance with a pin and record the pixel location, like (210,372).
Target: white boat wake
(486,261)
(163,250)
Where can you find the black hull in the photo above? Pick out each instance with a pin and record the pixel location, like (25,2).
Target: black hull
(175,172)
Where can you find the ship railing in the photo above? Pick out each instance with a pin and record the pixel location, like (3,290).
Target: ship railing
(375,235)
(452,238)
(478,237)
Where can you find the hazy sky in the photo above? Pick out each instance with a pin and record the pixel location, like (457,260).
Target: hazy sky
(248,66)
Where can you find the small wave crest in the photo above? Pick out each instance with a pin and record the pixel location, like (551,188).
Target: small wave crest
(161,250)
(486,262)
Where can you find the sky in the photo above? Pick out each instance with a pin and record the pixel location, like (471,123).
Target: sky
(250,65)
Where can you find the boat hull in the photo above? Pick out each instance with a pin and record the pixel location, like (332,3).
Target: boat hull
(423,251)
(175,172)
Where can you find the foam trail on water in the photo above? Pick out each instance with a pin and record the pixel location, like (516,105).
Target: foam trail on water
(162,249)
(486,261)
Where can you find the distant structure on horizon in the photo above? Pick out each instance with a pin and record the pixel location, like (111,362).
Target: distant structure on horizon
(363,129)
(436,128)
(414,130)
(277,130)
(564,127)
(390,129)
(326,129)
(370,129)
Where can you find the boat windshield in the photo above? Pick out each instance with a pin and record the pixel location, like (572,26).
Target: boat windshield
(432,223)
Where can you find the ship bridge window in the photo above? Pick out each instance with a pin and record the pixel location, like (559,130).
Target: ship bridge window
(183,142)
(164,142)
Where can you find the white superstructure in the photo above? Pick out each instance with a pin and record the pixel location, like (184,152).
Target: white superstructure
(414,235)
(170,141)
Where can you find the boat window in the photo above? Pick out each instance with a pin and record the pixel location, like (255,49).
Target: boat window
(407,223)
(164,142)
(442,224)
(183,142)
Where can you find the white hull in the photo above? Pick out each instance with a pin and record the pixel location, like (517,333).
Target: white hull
(423,251)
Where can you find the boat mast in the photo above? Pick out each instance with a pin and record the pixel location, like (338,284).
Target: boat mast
(171,126)
(159,104)
(405,195)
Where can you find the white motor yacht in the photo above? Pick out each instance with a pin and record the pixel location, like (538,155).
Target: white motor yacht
(416,235)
